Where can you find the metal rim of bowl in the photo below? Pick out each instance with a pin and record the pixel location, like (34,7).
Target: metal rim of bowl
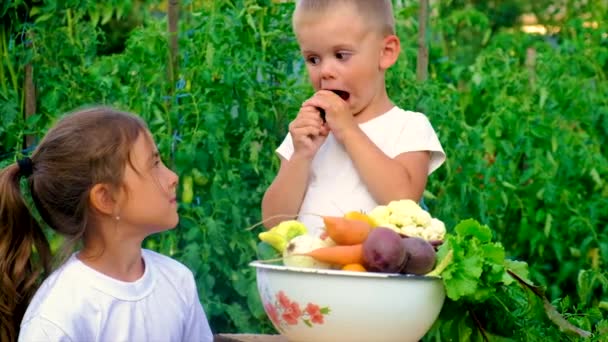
(261,264)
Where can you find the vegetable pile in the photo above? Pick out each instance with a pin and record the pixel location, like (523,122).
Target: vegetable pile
(360,242)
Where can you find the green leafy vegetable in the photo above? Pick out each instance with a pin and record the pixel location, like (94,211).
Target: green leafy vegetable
(477,264)
(490,298)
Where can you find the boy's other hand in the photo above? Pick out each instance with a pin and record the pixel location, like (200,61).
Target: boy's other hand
(338,116)
(308,132)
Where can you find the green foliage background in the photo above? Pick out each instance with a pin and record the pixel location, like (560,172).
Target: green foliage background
(526,142)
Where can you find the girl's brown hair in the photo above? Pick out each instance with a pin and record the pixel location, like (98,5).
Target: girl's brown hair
(84,148)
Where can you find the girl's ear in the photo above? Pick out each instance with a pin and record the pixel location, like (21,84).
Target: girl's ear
(102,199)
(391,47)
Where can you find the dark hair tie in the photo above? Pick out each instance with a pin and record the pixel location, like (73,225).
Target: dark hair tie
(26,166)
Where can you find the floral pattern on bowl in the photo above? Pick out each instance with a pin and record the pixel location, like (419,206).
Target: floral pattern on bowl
(284,311)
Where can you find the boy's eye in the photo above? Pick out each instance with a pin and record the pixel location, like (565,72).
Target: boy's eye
(342,55)
(313,60)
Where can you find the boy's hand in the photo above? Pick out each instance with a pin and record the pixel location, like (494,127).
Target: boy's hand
(339,118)
(308,132)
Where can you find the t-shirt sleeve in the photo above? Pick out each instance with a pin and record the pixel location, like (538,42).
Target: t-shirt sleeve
(418,135)
(285,150)
(39,329)
(196,325)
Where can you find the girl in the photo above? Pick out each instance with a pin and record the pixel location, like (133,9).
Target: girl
(96,178)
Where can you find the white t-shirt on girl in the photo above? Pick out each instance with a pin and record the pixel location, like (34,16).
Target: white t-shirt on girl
(76,303)
(335,187)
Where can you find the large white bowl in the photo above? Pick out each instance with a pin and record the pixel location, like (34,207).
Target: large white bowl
(315,305)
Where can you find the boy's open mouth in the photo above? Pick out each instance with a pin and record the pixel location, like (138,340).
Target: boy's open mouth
(343,94)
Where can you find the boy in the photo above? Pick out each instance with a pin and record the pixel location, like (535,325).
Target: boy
(365,151)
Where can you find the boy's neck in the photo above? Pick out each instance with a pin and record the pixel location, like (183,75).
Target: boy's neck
(379,105)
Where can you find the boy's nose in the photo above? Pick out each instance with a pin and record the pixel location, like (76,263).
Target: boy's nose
(328,70)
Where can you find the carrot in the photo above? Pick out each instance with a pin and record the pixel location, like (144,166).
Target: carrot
(345,231)
(354,268)
(338,255)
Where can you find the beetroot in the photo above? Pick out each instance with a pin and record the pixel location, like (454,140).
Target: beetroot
(383,251)
(421,256)
(343,94)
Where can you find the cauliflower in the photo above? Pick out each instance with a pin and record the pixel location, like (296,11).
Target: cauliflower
(408,218)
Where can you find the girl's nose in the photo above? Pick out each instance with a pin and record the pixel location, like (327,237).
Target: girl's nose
(173,178)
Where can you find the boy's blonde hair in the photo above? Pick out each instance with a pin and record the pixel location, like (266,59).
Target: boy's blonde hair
(379,12)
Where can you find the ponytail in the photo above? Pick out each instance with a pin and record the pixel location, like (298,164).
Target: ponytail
(24,253)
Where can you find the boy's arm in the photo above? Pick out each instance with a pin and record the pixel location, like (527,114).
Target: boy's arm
(387,179)
(286,193)
(284,196)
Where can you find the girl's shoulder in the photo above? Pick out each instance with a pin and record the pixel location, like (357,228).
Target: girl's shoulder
(62,284)
(164,264)
(169,275)
(64,279)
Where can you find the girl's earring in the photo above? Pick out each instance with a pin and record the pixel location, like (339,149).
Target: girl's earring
(117,218)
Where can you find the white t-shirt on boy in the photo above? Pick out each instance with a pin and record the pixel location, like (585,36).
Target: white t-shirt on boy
(335,187)
(76,303)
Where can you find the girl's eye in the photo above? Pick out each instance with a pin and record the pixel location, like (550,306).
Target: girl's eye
(313,60)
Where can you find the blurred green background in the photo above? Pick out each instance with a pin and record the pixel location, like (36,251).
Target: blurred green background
(516,90)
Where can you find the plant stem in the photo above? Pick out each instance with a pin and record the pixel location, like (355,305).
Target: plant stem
(9,64)
(478,325)
(69,26)
(442,265)
(2,77)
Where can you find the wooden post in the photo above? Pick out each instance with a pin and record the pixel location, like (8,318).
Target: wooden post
(423,50)
(173,17)
(531,65)
(29,93)
(172,67)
